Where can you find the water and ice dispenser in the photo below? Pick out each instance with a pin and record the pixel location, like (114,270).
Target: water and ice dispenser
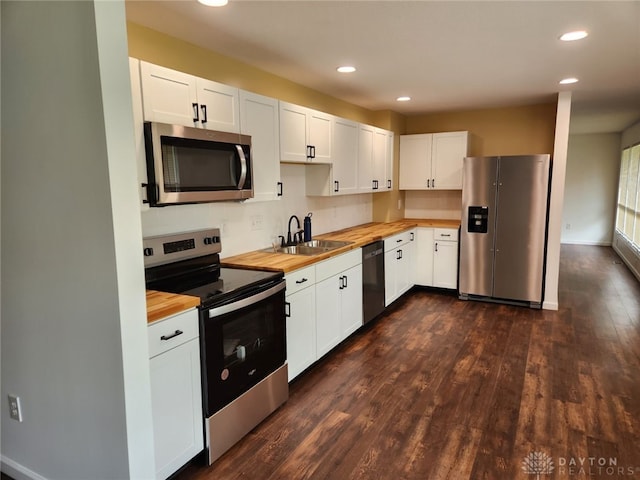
(478,219)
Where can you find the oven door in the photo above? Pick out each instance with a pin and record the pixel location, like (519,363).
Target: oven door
(242,343)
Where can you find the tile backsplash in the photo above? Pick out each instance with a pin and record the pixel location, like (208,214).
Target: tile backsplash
(247,226)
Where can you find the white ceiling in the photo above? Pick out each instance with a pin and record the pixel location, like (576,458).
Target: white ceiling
(446,55)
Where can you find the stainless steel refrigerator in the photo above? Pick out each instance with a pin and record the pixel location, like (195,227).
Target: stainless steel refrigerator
(504,228)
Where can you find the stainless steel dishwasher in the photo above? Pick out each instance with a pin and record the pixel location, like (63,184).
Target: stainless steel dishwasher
(372,280)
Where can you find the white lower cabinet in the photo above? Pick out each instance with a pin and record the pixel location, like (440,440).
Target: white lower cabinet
(301,320)
(398,265)
(437,257)
(176,399)
(324,306)
(338,299)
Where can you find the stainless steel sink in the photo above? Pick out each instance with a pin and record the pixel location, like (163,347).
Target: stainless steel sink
(313,247)
(330,244)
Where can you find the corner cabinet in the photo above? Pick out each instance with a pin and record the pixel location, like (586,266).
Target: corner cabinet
(173,97)
(259,119)
(432,161)
(176,398)
(436,257)
(305,134)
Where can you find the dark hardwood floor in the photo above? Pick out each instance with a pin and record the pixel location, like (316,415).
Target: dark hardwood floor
(439,388)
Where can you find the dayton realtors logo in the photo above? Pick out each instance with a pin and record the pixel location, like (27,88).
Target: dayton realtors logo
(537,463)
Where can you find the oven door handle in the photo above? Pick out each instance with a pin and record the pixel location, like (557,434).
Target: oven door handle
(243,167)
(245,302)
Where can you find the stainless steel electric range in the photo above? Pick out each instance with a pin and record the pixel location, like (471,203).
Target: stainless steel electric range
(242,331)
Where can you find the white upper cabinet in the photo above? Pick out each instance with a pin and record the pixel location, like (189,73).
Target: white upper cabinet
(432,160)
(178,98)
(345,156)
(259,119)
(382,159)
(141,161)
(305,134)
(375,159)
(365,158)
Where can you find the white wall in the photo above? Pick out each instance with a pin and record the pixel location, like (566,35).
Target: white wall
(67,321)
(591,187)
(247,226)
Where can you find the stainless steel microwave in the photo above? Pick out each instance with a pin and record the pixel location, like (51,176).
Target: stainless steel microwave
(194,165)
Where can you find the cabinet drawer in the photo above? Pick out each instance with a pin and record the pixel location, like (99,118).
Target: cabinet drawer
(398,239)
(299,279)
(445,234)
(186,323)
(338,264)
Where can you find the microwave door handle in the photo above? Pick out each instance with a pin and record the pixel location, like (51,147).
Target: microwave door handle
(243,167)
(246,302)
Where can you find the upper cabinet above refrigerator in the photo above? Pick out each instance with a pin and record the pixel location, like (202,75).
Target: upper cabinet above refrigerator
(432,161)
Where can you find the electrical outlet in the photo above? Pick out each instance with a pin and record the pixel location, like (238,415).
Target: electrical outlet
(15,411)
(568,226)
(256,222)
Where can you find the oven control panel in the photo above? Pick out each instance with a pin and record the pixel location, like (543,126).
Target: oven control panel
(181,246)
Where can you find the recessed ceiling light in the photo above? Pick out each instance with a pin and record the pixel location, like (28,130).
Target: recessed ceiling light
(571,36)
(346,69)
(214,3)
(567,81)
(403,99)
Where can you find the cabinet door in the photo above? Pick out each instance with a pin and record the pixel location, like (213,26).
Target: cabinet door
(390,274)
(176,405)
(219,106)
(328,328)
(423,264)
(447,153)
(168,96)
(351,301)
(345,157)
(320,136)
(445,264)
(365,158)
(379,159)
(415,161)
(406,265)
(301,330)
(389,163)
(293,133)
(259,119)
(138,132)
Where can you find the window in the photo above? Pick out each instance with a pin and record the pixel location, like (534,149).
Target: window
(628,215)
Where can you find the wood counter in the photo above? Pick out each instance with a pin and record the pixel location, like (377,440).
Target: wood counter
(360,235)
(161,304)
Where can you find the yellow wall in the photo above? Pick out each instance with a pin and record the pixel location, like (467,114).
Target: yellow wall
(160,49)
(499,131)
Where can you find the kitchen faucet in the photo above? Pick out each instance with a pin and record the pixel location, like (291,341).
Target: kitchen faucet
(291,241)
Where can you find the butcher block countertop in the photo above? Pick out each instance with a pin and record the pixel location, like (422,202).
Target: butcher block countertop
(161,305)
(360,235)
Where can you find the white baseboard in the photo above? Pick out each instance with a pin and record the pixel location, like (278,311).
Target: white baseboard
(550,305)
(627,262)
(18,471)
(585,242)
